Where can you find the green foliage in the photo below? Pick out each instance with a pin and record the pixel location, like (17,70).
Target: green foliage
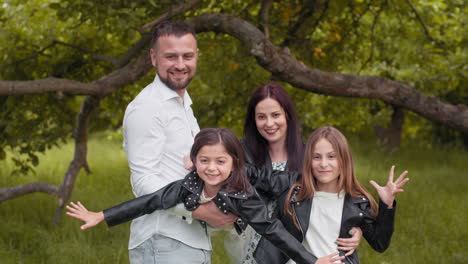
(427,229)
(424,47)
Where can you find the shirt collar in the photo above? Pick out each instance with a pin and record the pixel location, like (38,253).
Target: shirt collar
(168,94)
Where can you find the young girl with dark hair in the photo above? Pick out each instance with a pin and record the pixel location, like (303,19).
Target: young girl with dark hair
(327,200)
(220,177)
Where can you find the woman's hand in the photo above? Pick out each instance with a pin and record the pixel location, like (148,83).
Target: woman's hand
(330,259)
(388,192)
(352,243)
(80,212)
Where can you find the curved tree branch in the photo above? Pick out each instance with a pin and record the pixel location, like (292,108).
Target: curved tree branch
(105,85)
(46,85)
(80,134)
(289,69)
(13,192)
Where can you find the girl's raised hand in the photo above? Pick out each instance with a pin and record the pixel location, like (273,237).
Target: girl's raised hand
(80,212)
(330,259)
(388,192)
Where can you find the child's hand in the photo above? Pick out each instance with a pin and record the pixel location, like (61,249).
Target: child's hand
(80,212)
(188,165)
(352,243)
(388,192)
(330,259)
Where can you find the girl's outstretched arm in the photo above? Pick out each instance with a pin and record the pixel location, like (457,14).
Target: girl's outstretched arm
(388,192)
(80,212)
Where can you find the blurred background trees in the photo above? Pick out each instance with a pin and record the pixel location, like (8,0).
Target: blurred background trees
(421,44)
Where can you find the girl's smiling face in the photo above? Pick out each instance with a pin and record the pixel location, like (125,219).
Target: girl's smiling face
(214,166)
(325,166)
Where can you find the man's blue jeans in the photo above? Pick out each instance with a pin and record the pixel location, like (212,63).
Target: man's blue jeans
(164,250)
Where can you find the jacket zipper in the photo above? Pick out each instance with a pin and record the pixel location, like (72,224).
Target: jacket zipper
(299,222)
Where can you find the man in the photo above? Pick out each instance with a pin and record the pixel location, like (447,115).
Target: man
(159,127)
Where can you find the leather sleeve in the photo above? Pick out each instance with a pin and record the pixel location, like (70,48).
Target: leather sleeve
(167,197)
(270,182)
(254,211)
(378,232)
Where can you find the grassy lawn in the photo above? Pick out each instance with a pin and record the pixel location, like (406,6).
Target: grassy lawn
(430,224)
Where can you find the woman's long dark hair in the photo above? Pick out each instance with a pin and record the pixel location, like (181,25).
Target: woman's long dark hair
(256,144)
(237,182)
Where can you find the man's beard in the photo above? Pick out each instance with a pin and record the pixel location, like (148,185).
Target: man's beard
(175,85)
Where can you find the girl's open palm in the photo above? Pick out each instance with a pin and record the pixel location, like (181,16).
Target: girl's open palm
(80,212)
(388,192)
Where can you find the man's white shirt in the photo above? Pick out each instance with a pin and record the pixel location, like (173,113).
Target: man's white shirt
(159,128)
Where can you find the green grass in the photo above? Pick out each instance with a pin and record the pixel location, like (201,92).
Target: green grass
(430,224)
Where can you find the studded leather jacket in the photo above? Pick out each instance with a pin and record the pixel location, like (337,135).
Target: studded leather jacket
(247,205)
(356,213)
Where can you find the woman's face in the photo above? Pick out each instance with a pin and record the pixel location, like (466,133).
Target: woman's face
(214,166)
(325,167)
(271,122)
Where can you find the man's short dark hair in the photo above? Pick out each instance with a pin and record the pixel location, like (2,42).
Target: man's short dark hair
(171,27)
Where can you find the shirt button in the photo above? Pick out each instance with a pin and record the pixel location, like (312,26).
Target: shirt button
(360,214)
(298,203)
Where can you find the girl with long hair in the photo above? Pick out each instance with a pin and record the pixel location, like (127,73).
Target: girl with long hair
(327,200)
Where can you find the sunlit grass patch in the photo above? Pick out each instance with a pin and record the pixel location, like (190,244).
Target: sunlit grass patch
(429,228)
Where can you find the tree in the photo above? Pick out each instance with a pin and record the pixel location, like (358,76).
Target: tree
(86,57)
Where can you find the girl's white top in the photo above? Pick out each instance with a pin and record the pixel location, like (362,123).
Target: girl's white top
(324,224)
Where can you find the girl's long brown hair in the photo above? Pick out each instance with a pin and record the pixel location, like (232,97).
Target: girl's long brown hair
(347,179)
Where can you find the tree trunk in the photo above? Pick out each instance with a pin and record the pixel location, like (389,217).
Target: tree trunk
(391,136)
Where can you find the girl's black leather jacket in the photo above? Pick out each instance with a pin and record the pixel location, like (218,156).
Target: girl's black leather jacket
(247,205)
(356,213)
